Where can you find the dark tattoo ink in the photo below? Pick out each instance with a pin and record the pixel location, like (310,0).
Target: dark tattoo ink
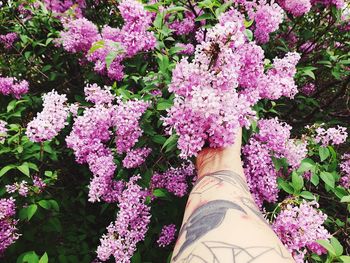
(204,219)
(239,254)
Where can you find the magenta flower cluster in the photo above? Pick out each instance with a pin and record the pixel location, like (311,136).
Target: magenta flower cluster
(3,131)
(175,180)
(134,158)
(9,85)
(299,227)
(272,140)
(8,230)
(47,124)
(130,226)
(296,7)
(92,130)
(208,106)
(81,35)
(8,39)
(167,235)
(331,136)
(345,171)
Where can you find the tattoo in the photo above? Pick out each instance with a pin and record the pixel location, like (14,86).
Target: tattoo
(254,209)
(204,219)
(218,252)
(220,177)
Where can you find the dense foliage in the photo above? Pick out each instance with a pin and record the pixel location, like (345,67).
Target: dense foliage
(104,104)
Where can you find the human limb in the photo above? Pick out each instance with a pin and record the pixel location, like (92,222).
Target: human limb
(222,224)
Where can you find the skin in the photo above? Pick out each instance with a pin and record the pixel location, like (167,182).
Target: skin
(221,223)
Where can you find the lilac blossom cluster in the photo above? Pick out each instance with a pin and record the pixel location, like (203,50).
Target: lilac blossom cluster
(184,26)
(337,3)
(82,35)
(272,140)
(298,227)
(175,180)
(129,228)
(47,124)
(331,136)
(308,89)
(8,230)
(61,6)
(345,171)
(92,130)
(208,104)
(3,131)
(22,188)
(134,158)
(8,39)
(167,235)
(10,85)
(296,7)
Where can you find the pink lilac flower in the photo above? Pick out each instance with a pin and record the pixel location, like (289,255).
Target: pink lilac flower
(331,136)
(337,3)
(267,18)
(175,180)
(296,7)
(21,187)
(78,35)
(9,85)
(167,235)
(134,158)
(129,228)
(50,120)
(3,131)
(187,49)
(345,171)
(298,227)
(97,95)
(296,151)
(38,182)
(127,120)
(183,26)
(61,6)
(8,39)
(307,47)
(8,230)
(308,89)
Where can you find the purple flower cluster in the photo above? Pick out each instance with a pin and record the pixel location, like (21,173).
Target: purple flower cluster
(267,18)
(50,120)
(308,89)
(8,230)
(337,3)
(345,171)
(183,26)
(21,187)
(3,131)
(81,35)
(273,140)
(130,226)
(61,6)
(187,49)
(298,227)
(9,85)
(167,235)
(8,39)
(92,130)
(175,180)
(208,104)
(331,136)
(134,158)
(296,7)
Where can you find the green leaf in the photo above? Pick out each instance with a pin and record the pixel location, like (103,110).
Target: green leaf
(24,168)
(6,168)
(204,17)
(324,153)
(307,195)
(345,199)
(163,105)
(44,258)
(297,181)
(328,178)
(54,205)
(161,193)
(136,258)
(247,23)
(97,45)
(172,139)
(345,259)
(327,245)
(306,165)
(285,186)
(337,246)
(158,139)
(11,106)
(31,210)
(174,9)
(44,204)
(30,257)
(249,34)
